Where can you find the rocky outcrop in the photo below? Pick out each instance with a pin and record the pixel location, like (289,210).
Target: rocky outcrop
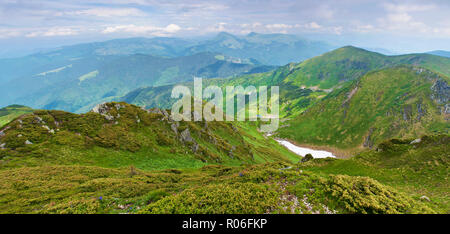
(174,127)
(103,109)
(425,198)
(407,112)
(368,141)
(185,137)
(441,92)
(420,111)
(308,157)
(416,141)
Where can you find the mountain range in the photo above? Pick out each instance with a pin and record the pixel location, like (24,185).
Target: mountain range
(386,118)
(98,78)
(120,158)
(337,99)
(104,70)
(442,53)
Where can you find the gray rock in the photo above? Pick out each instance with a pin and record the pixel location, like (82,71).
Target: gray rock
(418,140)
(441,91)
(307,158)
(368,141)
(425,198)
(38,119)
(174,127)
(103,109)
(2,146)
(407,112)
(27,142)
(234,128)
(165,113)
(186,136)
(119,106)
(195,147)
(155,111)
(420,111)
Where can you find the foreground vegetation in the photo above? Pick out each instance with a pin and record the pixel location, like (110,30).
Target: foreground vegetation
(11,112)
(123,159)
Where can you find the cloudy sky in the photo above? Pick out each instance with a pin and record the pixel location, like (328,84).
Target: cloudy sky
(403,25)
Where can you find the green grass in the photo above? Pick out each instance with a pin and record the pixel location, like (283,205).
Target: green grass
(381,105)
(11,112)
(418,170)
(131,161)
(262,188)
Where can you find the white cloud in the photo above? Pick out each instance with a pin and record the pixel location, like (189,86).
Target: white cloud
(278,26)
(57,31)
(314,25)
(219,27)
(109,12)
(408,8)
(143,29)
(399,17)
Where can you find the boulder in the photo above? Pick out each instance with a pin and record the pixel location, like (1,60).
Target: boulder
(307,158)
(186,136)
(425,198)
(418,140)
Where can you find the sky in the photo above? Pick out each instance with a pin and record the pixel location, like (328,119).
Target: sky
(400,26)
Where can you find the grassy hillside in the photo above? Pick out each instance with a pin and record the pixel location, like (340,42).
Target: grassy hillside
(349,63)
(293,99)
(262,188)
(402,101)
(303,84)
(420,168)
(81,83)
(124,135)
(13,111)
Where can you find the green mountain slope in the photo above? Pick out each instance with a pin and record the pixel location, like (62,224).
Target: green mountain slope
(79,85)
(274,49)
(442,53)
(349,63)
(403,101)
(120,158)
(124,135)
(11,112)
(417,167)
(303,84)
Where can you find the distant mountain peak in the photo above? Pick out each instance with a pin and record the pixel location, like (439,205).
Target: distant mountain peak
(225,34)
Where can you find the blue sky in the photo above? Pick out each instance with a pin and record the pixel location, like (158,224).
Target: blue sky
(403,25)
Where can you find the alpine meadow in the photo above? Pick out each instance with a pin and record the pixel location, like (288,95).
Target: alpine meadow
(357,94)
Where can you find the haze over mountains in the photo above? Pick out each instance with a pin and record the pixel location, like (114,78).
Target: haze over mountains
(56,78)
(442,53)
(389,113)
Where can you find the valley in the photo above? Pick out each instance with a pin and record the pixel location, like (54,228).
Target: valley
(359,132)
